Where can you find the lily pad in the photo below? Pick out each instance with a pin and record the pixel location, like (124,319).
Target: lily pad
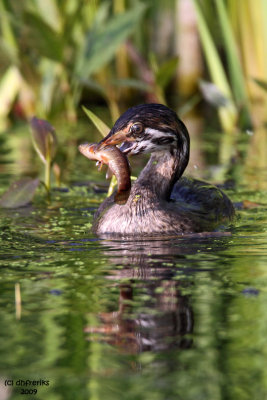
(20,193)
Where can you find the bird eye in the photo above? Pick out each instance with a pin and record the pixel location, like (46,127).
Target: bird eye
(136,128)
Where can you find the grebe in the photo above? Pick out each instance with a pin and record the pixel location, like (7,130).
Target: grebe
(160,201)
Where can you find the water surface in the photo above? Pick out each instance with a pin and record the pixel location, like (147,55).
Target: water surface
(168,318)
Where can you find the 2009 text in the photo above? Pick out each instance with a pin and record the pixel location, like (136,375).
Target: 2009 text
(28,391)
(26,386)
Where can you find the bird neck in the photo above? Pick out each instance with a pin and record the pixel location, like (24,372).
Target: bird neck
(160,174)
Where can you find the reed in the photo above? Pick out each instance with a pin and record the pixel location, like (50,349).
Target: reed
(59,51)
(63,47)
(244,34)
(228,112)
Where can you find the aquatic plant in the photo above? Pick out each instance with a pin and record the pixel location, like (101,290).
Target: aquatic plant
(21,192)
(244,42)
(53,49)
(45,143)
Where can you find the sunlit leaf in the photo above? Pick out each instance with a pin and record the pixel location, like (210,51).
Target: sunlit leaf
(101,16)
(189,105)
(101,46)
(7,34)
(228,114)
(112,185)
(44,139)
(49,70)
(153,62)
(212,94)
(10,85)
(43,38)
(166,72)
(99,124)
(20,193)
(235,70)
(261,83)
(50,12)
(212,56)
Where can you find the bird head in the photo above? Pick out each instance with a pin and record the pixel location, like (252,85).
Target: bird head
(150,128)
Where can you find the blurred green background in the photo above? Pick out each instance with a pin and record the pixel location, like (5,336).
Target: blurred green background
(205,59)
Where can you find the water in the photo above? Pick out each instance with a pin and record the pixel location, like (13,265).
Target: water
(170,318)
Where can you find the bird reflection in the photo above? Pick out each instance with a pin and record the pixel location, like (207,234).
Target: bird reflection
(149,268)
(164,326)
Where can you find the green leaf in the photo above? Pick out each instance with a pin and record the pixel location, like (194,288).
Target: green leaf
(236,73)
(261,83)
(101,45)
(50,12)
(212,94)
(44,38)
(49,70)
(132,83)
(10,85)
(189,105)
(228,114)
(166,72)
(213,59)
(7,33)
(20,193)
(44,139)
(99,124)
(101,16)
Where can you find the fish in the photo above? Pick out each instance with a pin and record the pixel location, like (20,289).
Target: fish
(117,163)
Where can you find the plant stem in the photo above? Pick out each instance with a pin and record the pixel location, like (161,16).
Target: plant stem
(48,175)
(111,186)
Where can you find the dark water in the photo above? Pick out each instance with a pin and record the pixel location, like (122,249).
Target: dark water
(177,318)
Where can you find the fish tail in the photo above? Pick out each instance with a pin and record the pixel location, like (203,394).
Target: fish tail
(122,197)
